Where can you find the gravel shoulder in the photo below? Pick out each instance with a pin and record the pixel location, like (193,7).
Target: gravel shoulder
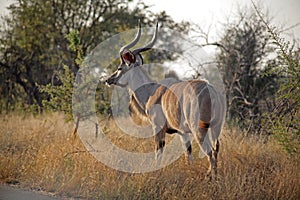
(12,193)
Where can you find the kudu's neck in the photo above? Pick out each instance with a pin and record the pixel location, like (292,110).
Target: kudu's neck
(140,86)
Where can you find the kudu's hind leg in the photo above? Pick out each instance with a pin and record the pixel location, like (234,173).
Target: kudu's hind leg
(216,150)
(212,171)
(186,142)
(203,140)
(215,133)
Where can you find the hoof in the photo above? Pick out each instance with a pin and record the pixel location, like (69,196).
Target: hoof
(211,176)
(208,176)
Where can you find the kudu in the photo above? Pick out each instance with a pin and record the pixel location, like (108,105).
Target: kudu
(181,107)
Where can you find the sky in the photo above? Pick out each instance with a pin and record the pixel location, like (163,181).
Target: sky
(3,5)
(211,13)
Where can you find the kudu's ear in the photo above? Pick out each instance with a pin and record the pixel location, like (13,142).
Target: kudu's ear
(139,59)
(128,57)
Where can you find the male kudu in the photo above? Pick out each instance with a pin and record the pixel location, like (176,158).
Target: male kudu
(185,107)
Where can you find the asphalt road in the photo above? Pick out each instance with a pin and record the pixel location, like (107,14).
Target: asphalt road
(11,193)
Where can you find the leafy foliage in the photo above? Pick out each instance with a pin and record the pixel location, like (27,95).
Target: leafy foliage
(284,120)
(34,48)
(60,96)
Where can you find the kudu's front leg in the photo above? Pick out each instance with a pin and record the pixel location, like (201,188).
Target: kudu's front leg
(158,122)
(159,145)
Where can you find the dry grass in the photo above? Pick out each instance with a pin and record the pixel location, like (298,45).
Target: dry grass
(40,153)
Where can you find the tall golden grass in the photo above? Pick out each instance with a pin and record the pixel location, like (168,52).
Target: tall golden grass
(42,154)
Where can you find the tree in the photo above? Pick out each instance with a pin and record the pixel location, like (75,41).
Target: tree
(242,60)
(245,58)
(34,49)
